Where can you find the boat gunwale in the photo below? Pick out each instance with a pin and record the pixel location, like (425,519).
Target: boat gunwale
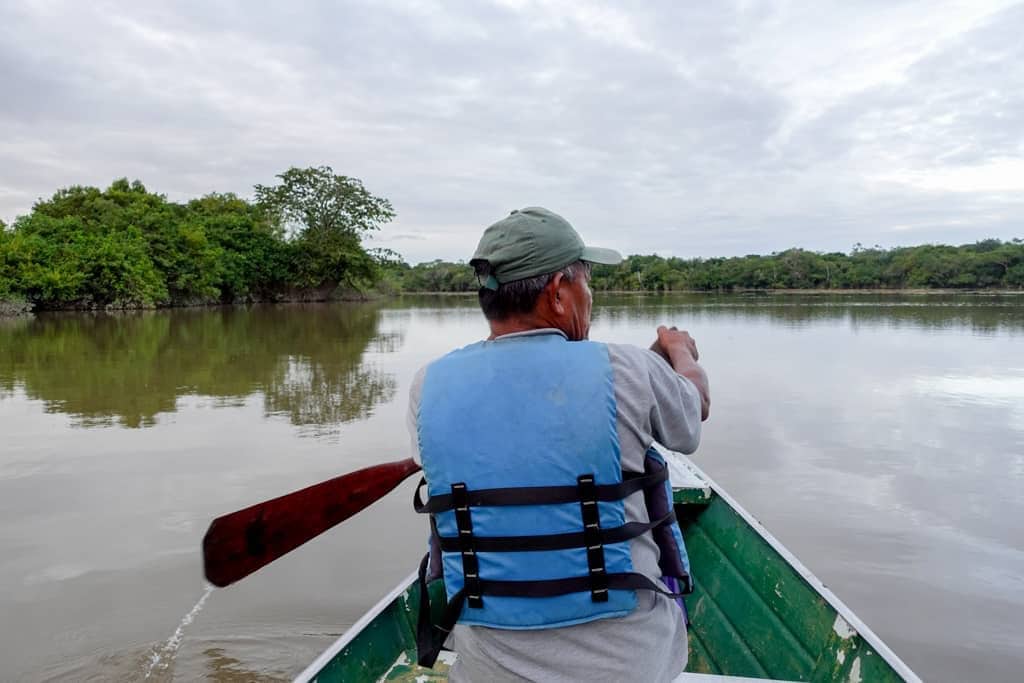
(847,614)
(353,631)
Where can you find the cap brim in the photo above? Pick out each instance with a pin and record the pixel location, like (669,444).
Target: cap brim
(607,257)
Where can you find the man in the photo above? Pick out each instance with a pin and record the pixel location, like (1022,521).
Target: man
(551,515)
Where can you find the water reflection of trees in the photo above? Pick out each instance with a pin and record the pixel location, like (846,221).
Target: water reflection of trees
(312,363)
(982,313)
(431,301)
(306,361)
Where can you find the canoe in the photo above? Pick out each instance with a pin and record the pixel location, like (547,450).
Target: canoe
(756,611)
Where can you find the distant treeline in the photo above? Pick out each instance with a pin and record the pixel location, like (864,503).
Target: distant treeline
(301,239)
(988,264)
(127,247)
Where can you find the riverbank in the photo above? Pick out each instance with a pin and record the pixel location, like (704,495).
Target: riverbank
(13,309)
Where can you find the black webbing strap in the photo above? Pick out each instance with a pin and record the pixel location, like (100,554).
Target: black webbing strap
(430,638)
(552,587)
(470,562)
(541,495)
(592,537)
(425,639)
(574,539)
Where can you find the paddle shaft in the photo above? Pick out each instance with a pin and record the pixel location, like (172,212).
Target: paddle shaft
(238,544)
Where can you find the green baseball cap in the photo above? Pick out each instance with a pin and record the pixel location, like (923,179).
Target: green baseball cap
(534,241)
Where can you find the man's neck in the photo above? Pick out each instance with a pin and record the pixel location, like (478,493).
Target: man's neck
(499,328)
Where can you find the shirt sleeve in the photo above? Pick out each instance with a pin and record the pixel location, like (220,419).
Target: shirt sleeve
(415,391)
(653,401)
(675,411)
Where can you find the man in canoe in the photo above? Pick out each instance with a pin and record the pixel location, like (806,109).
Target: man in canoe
(551,515)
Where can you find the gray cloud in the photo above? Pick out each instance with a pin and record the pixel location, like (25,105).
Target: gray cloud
(727,129)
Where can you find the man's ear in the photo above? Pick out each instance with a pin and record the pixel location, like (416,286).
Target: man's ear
(553,293)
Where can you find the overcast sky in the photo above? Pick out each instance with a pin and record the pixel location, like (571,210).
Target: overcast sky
(689,129)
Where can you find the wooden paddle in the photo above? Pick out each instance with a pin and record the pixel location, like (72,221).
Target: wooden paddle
(238,544)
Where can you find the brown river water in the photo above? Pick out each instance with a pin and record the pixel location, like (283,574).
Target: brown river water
(879,437)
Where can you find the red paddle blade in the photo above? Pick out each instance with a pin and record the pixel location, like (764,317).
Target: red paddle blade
(238,544)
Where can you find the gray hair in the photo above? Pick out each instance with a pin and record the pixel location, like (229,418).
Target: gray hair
(520,296)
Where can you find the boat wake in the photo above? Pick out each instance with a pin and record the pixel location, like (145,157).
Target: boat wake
(164,653)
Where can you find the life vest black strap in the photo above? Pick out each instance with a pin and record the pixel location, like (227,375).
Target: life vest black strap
(574,539)
(467,546)
(550,588)
(592,537)
(542,495)
(430,638)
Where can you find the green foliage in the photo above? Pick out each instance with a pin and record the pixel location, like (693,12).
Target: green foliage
(61,260)
(323,260)
(7,283)
(986,264)
(128,247)
(327,216)
(252,260)
(391,269)
(439,276)
(319,200)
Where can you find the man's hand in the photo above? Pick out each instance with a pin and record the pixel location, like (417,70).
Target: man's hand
(680,350)
(672,341)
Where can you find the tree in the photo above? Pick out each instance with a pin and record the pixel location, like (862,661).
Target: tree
(326,216)
(316,201)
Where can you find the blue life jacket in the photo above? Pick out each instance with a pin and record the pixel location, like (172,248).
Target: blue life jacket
(519,445)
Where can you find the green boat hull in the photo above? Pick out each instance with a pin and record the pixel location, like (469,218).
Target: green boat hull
(756,611)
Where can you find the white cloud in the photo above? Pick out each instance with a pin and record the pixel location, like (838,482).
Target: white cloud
(996,175)
(694,130)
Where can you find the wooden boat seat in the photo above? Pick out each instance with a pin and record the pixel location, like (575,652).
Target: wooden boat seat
(689,487)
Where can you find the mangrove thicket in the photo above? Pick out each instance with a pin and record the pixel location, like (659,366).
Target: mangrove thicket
(128,247)
(987,264)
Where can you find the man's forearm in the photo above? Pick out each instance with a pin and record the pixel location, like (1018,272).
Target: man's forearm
(684,364)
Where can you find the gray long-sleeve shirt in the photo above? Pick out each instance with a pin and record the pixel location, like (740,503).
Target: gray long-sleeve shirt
(653,403)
